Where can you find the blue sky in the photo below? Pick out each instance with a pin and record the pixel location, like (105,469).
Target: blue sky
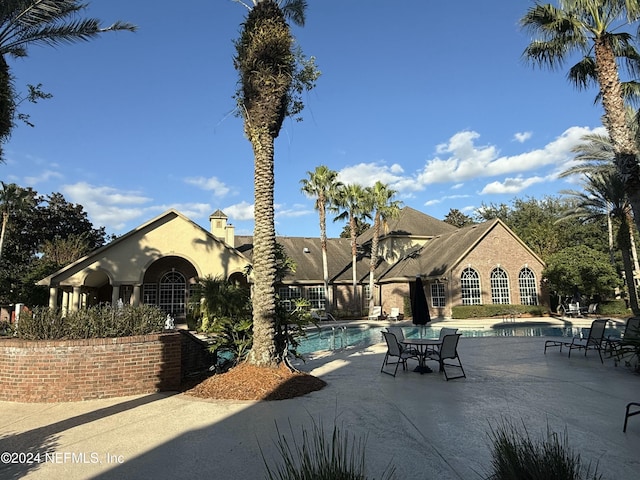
(432,98)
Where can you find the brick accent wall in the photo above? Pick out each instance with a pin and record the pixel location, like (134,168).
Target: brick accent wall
(73,370)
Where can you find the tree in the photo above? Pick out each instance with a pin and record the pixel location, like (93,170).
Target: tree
(361,227)
(604,196)
(322,185)
(270,80)
(352,203)
(384,209)
(38,22)
(458,219)
(595,30)
(581,268)
(13,199)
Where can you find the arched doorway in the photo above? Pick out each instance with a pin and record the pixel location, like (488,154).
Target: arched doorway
(167,283)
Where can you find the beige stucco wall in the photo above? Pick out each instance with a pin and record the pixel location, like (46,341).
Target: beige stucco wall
(126,261)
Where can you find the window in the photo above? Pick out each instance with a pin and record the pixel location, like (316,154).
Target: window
(150,293)
(287,294)
(499,286)
(470,286)
(316,296)
(172,295)
(528,289)
(437,294)
(367,292)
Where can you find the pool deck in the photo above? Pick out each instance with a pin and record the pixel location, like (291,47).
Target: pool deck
(423,425)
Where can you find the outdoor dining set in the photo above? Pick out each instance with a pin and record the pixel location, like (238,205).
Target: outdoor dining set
(443,350)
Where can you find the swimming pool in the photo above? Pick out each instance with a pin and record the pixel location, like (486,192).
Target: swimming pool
(339,337)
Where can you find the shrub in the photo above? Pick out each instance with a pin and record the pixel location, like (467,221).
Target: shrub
(320,456)
(613,307)
(516,456)
(44,323)
(495,310)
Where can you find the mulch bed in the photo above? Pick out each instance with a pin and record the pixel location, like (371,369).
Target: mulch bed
(249,382)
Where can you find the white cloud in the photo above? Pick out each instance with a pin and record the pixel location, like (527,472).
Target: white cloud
(510,185)
(212,184)
(42,177)
(367,174)
(239,211)
(106,206)
(522,137)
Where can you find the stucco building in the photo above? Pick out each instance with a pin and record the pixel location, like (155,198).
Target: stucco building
(160,261)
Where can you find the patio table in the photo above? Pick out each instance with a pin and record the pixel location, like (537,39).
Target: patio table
(422,346)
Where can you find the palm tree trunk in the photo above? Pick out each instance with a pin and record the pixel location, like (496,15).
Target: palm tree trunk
(328,301)
(374,259)
(615,121)
(354,258)
(264,351)
(623,242)
(5,220)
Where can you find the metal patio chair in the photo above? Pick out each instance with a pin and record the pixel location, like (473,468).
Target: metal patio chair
(394,350)
(593,341)
(449,351)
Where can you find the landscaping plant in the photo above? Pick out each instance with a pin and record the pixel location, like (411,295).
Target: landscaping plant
(517,456)
(321,455)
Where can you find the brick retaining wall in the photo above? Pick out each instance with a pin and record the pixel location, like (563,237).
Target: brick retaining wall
(74,370)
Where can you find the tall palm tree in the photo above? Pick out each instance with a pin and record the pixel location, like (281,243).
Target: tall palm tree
(595,30)
(12,200)
(322,185)
(268,68)
(384,209)
(39,22)
(353,203)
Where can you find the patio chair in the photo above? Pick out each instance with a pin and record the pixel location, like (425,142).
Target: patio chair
(449,351)
(395,350)
(394,315)
(444,331)
(399,334)
(376,313)
(629,413)
(593,341)
(628,343)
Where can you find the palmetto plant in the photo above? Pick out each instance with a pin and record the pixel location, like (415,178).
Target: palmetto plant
(597,30)
(272,74)
(39,22)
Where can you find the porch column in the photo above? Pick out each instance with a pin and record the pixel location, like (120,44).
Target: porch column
(115,295)
(53,297)
(65,302)
(135,298)
(75,298)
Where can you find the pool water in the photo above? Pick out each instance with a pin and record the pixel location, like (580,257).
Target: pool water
(339,337)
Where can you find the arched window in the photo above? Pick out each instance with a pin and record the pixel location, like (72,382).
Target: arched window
(528,287)
(499,286)
(172,295)
(470,286)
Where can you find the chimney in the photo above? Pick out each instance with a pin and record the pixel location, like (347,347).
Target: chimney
(221,229)
(230,235)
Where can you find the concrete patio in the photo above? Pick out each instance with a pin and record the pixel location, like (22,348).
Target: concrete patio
(424,426)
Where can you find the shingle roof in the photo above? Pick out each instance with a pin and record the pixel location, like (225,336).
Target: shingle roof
(306,252)
(412,223)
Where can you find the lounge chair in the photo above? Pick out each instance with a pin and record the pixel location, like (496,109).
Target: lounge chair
(449,351)
(628,343)
(594,340)
(629,413)
(376,313)
(394,316)
(395,350)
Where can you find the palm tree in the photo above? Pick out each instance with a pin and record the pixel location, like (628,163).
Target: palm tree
(322,185)
(604,195)
(12,199)
(39,22)
(385,208)
(595,30)
(355,204)
(269,80)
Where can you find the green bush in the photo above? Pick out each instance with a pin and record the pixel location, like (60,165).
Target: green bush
(613,307)
(517,456)
(320,456)
(497,310)
(44,323)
